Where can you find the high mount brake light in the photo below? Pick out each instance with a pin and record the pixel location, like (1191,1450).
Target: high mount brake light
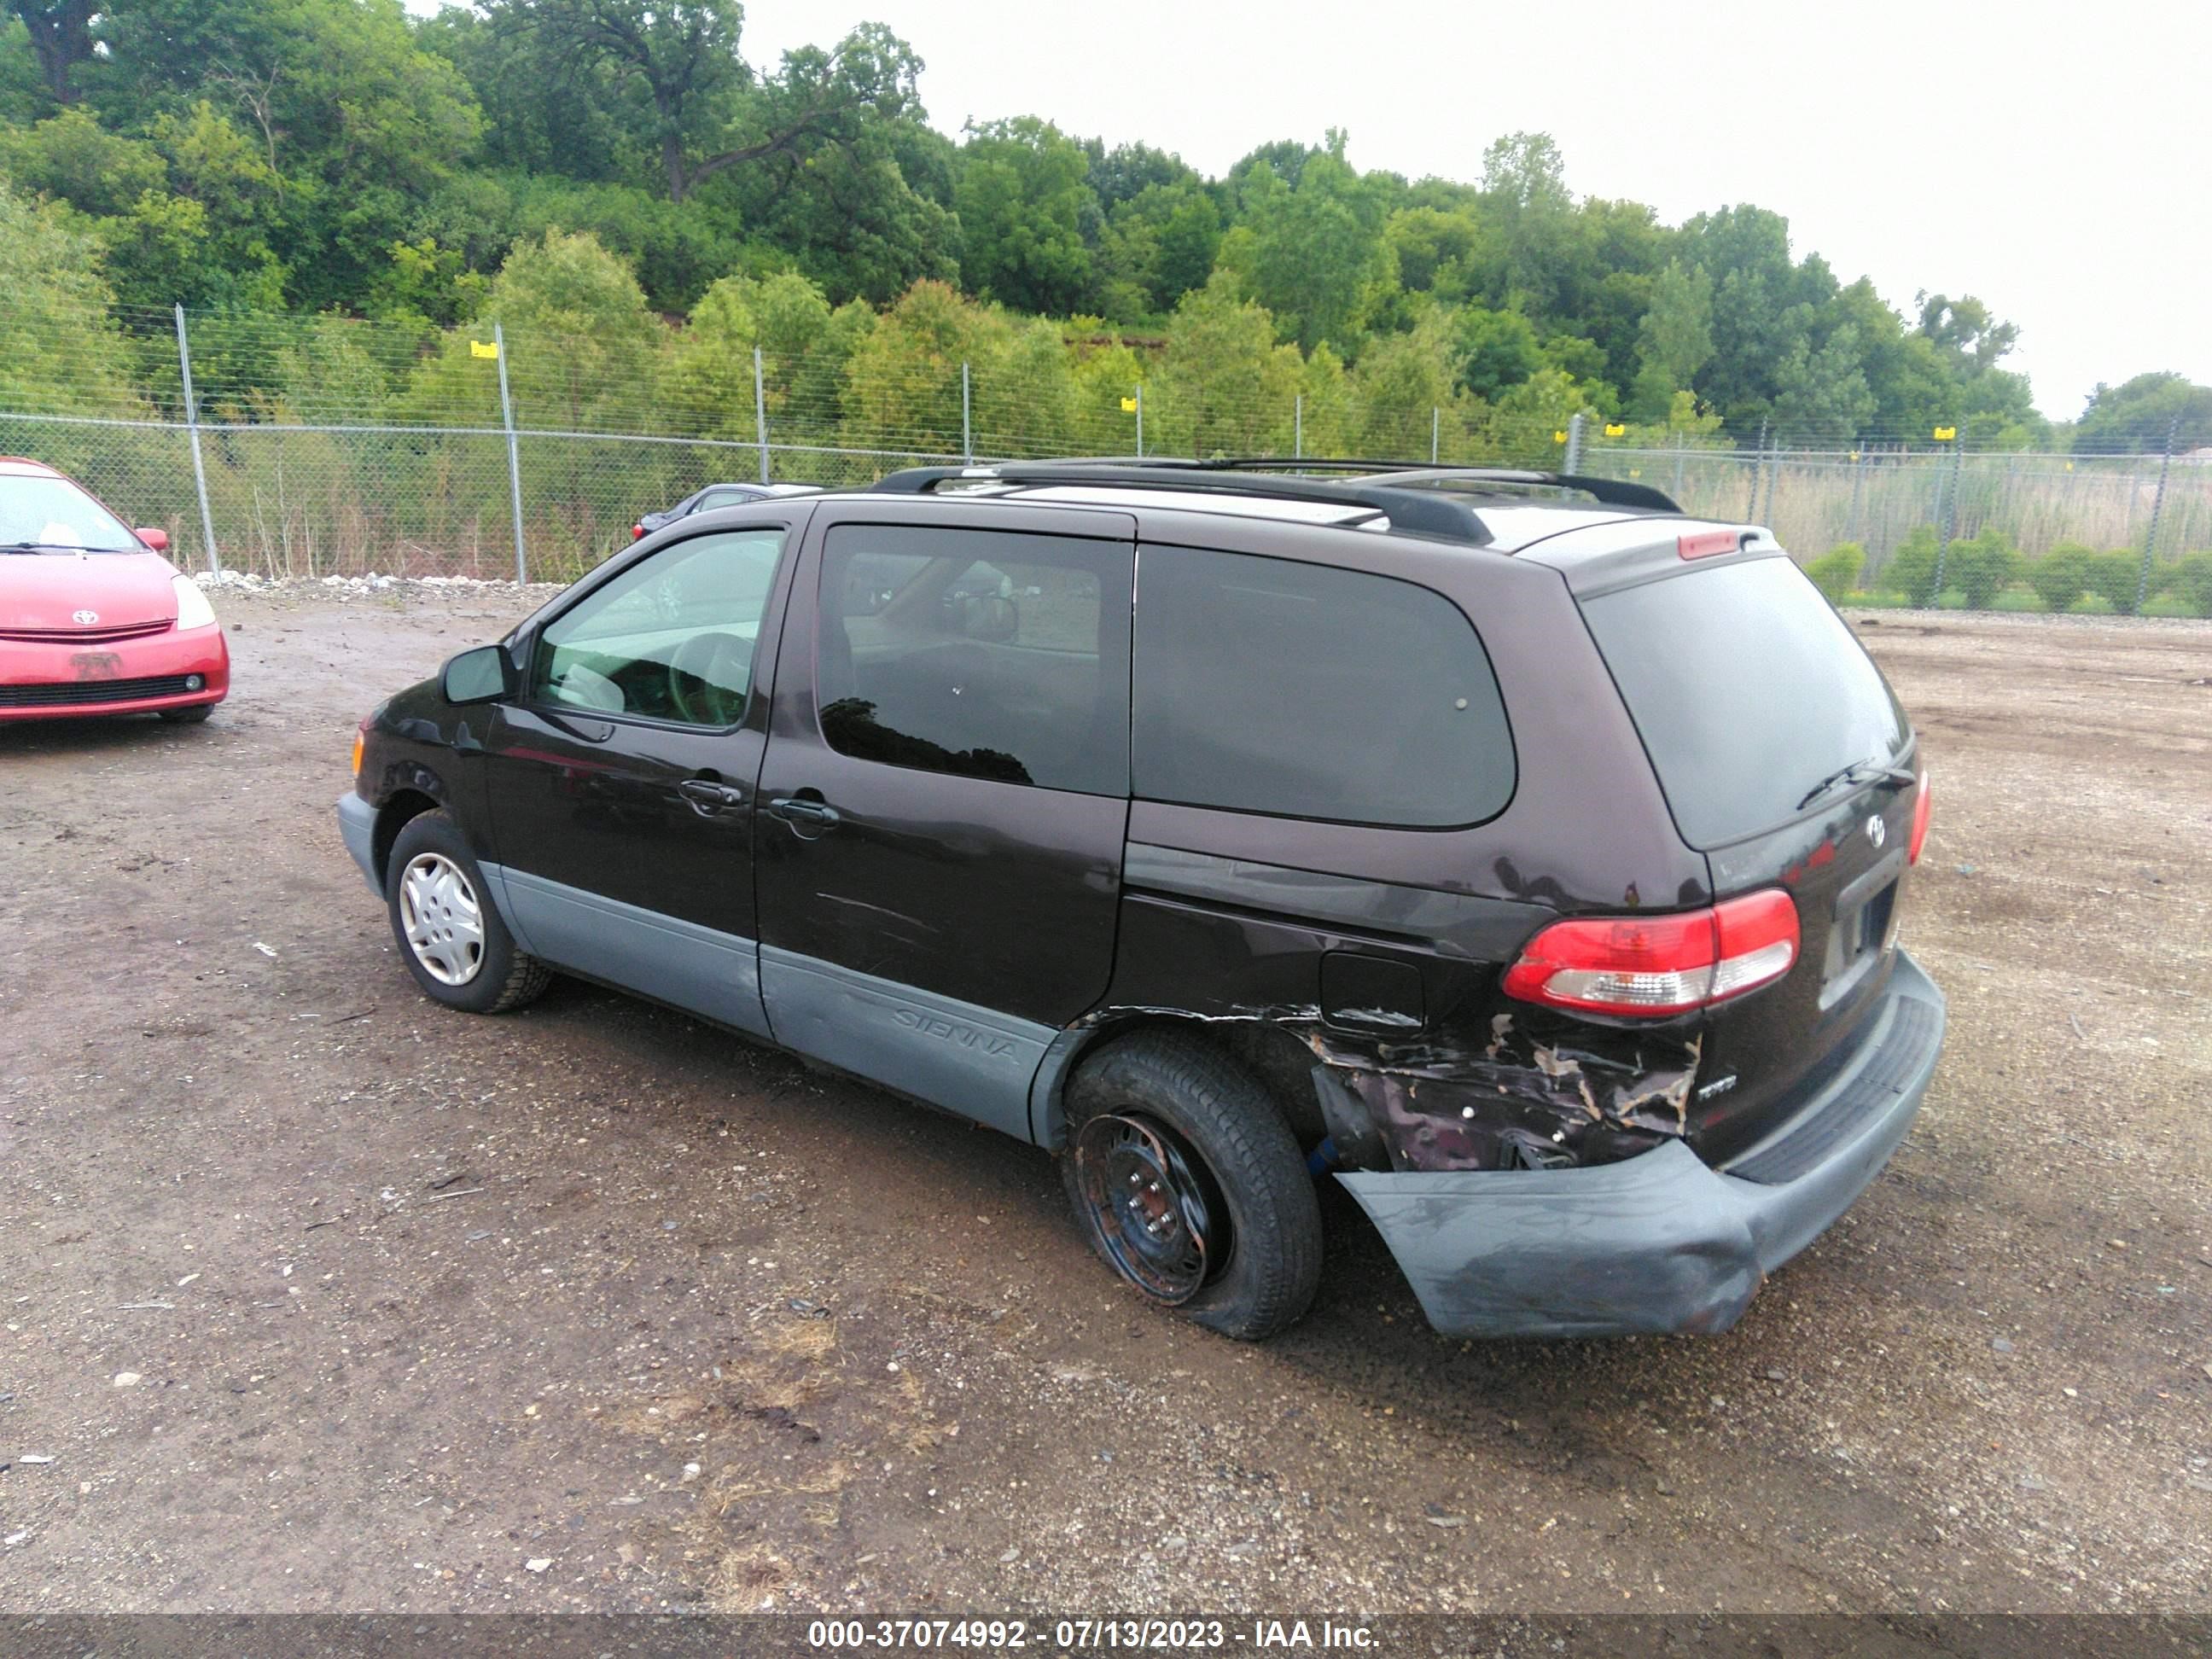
(1706,542)
(1919,823)
(1659,964)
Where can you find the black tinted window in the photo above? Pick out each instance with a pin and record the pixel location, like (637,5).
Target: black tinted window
(1747,689)
(1297,689)
(988,655)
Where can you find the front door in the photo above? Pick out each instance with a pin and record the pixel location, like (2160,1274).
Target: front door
(622,779)
(946,793)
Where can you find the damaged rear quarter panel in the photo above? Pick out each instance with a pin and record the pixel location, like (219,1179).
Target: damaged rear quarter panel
(1475,1082)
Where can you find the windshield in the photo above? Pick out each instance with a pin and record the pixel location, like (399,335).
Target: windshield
(1750,692)
(41,511)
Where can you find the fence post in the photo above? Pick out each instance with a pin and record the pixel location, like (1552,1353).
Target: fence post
(514,453)
(1298,427)
(1435,431)
(2157,504)
(760,412)
(1950,509)
(193,422)
(1758,466)
(1574,443)
(966,427)
(1858,492)
(1682,457)
(1140,420)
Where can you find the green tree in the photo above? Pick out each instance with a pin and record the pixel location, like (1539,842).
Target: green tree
(1312,253)
(1226,387)
(60,350)
(1022,193)
(2135,416)
(1673,341)
(1822,396)
(1493,351)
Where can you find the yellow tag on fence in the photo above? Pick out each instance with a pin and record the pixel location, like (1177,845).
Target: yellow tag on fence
(1128,405)
(1615,430)
(1559,437)
(484,349)
(1945,434)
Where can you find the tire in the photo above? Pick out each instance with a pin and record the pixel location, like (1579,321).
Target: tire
(485,974)
(194,716)
(1196,1102)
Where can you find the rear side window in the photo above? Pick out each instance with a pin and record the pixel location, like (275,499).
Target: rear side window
(1747,689)
(1263,685)
(980,653)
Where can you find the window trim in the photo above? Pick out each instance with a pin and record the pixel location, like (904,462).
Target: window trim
(1504,709)
(531,638)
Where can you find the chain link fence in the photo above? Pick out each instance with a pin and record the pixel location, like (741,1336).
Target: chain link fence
(327,447)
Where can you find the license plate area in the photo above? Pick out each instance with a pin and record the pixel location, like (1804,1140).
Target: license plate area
(1864,928)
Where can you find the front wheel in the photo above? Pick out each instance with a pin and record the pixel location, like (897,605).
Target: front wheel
(450,935)
(1187,1181)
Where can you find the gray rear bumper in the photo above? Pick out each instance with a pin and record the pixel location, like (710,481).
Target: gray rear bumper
(1660,1242)
(357,828)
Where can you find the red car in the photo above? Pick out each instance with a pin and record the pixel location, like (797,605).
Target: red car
(93,619)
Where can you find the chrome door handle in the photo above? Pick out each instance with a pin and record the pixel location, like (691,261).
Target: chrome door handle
(793,809)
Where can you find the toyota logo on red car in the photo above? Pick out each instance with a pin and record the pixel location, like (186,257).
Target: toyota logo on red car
(74,574)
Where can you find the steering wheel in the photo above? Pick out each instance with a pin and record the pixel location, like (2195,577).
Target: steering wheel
(708,677)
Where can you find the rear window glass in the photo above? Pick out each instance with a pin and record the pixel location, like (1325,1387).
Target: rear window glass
(1747,689)
(1263,685)
(986,653)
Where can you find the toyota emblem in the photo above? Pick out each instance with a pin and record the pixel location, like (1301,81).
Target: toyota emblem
(1876,833)
(84,618)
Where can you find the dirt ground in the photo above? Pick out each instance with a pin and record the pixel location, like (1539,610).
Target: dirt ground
(316,1298)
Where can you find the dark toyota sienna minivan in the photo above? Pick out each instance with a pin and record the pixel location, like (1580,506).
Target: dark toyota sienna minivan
(1518,851)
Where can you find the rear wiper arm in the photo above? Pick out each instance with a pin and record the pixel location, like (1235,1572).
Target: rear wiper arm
(1861,771)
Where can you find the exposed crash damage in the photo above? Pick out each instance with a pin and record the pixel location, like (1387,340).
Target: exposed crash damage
(1517,1103)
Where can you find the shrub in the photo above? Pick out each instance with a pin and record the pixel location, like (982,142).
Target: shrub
(2092,604)
(1836,572)
(1911,567)
(2062,574)
(2113,577)
(2189,579)
(1954,599)
(2166,604)
(1863,601)
(1980,566)
(2017,598)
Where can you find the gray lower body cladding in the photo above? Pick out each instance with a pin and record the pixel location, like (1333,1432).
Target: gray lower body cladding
(357,829)
(1660,1242)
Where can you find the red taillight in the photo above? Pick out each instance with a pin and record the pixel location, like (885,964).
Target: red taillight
(1706,542)
(1663,964)
(1919,823)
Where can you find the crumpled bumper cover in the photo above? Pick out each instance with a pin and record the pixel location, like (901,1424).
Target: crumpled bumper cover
(1658,1243)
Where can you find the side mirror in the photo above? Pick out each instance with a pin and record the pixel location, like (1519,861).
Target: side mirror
(990,617)
(156,539)
(483,675)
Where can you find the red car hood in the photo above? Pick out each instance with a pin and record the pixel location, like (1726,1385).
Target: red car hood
(120,589)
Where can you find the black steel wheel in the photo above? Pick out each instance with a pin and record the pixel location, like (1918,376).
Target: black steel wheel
(1187,1181)
(1149,1209)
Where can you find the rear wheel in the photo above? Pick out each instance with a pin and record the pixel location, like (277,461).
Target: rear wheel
(450,935)
(1187,1181)
(193,716)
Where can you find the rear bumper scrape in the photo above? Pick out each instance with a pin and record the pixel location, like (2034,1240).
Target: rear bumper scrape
(357,828)
(1660,1242)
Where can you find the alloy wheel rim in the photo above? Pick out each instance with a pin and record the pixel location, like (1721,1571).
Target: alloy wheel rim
(441,918)
(1150,1205)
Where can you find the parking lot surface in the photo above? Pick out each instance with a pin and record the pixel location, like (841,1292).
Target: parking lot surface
(315,1298)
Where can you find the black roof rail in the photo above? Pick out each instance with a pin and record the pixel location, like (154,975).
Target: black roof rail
(1418,511)
(1392,474)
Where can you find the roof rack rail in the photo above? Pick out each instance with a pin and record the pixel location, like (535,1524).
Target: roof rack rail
(1418,511)
(1427,475)
(1386,474)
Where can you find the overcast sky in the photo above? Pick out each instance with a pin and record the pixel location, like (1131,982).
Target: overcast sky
(2055,160)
